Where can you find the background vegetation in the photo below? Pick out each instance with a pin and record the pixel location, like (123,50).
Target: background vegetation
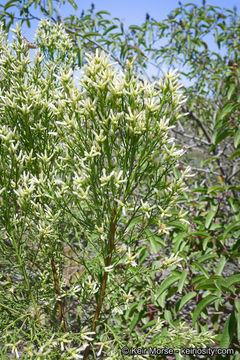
(159,299)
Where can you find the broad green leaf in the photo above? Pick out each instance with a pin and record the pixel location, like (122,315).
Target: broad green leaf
(201,306)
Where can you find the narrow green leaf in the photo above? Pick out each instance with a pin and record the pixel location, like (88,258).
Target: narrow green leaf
(235,154)
(36,3)
(236,139)
(202,305)
(178,240)
(200,267)
(215,188)
(229,328)
(90,34)
(74,5)
(216,35)
(206,257)
(156,242)
(79,52)
(200,190)
(222,136)
(231,90)
(186,299)
(161,299)
(122,27)
(167,283)
(135,27)
(205,242)
(182,280)
(50,6)
(231,228)
(211,215)
(13,3)
(234,279)
(131,309)
(160,335)
(102,12)
(168,316)
(134,222)
(227,109)
(149,324)
(221,265)
(237,316)
(134,322)
(110,29)
(209,283)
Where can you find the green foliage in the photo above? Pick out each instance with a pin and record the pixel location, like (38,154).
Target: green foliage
(79,165)
(202,288)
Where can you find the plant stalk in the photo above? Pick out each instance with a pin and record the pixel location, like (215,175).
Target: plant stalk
(58,292)
(104,279)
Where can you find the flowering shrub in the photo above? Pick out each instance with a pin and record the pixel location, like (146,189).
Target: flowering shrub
(86,165)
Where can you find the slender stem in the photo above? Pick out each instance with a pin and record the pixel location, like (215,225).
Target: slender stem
(58,292)
(104,279)
(22,267)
